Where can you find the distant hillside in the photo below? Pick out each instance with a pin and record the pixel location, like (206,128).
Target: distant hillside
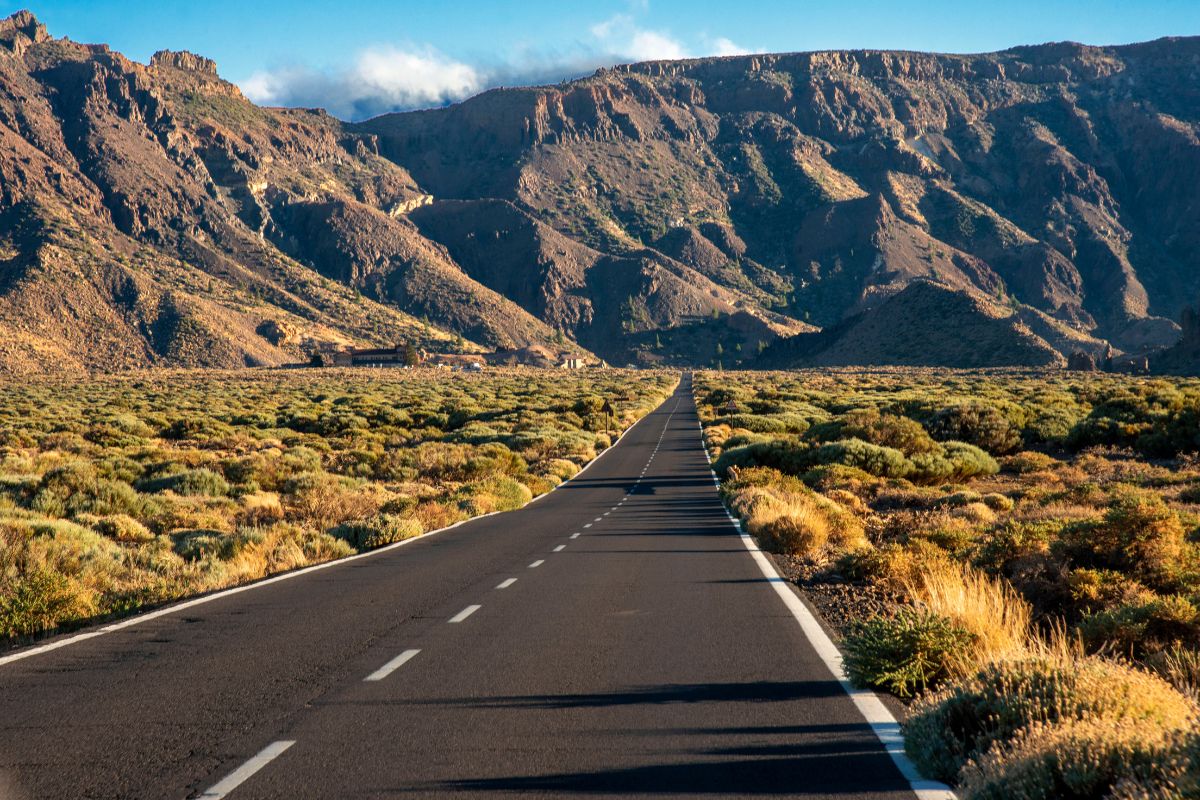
(668,212)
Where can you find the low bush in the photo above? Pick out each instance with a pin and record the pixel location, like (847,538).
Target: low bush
(949,728)
(877,460)
(1077,760)
(979,424)
(1147,625)
(123,528)
(377,531)
(905,653)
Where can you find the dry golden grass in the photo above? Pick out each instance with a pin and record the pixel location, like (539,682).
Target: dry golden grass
(998,618)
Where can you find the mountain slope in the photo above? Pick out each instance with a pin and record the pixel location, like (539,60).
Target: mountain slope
(1062,176)
(688,212)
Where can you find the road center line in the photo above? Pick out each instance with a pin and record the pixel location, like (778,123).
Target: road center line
(560,548)
(506,584)
(537,563)
(391,666)
(245,771)
(466,612)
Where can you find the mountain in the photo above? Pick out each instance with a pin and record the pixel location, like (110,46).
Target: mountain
(819,207)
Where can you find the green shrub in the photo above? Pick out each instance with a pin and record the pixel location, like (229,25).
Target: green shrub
(883,462)
(979,424)
(377,531)
(198,482)
(905,653)
(1147,625)
(888,430)
(788,456)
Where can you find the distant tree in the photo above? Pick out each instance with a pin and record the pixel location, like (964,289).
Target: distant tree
(411,357)
(738,347)
(720,350)
(459,343)
(559,339)
(658,342)
(762,345)
(716,313)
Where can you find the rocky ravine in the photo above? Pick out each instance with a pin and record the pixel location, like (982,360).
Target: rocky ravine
(668,212)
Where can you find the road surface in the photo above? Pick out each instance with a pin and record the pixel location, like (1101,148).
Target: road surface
(616,638)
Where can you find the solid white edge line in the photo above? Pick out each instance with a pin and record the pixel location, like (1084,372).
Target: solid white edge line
(466,612)
(883,723)
(182,605)
(537,563)
(391,666)
(505,584)
(245,771)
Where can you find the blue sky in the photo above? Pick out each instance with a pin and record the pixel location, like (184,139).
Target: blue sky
(361,57)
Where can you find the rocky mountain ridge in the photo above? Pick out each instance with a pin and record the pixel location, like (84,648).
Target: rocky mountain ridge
(811,207)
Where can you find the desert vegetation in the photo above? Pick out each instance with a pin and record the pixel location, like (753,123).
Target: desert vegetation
(1017,554)
(118,492)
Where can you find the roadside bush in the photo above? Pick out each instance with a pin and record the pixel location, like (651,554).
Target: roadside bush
(905,653)
(377,531)
(948,728)
(1076,760)
(788,517)
(40,601)
(788,456)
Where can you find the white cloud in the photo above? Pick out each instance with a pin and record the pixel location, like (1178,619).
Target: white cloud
(392,78)
(722,46)
(621,36)
(381,79)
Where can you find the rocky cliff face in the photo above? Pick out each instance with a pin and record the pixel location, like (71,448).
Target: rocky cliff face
(659,212)
(1058,179)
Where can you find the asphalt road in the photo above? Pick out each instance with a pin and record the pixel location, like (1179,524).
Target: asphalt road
(615,638)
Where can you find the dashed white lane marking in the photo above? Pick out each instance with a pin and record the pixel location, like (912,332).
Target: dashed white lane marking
(391,666)
(506,584)
(606,513)
(537,563)
(466,612)
(598,519)
(588,525)
(243,773)
(560,548)
(574,535)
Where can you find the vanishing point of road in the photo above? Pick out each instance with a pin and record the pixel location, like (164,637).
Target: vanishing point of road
(618,638)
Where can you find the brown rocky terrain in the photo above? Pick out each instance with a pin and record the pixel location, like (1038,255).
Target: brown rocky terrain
(667,212)
(1055,179)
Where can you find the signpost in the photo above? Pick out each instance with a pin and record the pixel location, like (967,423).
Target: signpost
(607,410)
